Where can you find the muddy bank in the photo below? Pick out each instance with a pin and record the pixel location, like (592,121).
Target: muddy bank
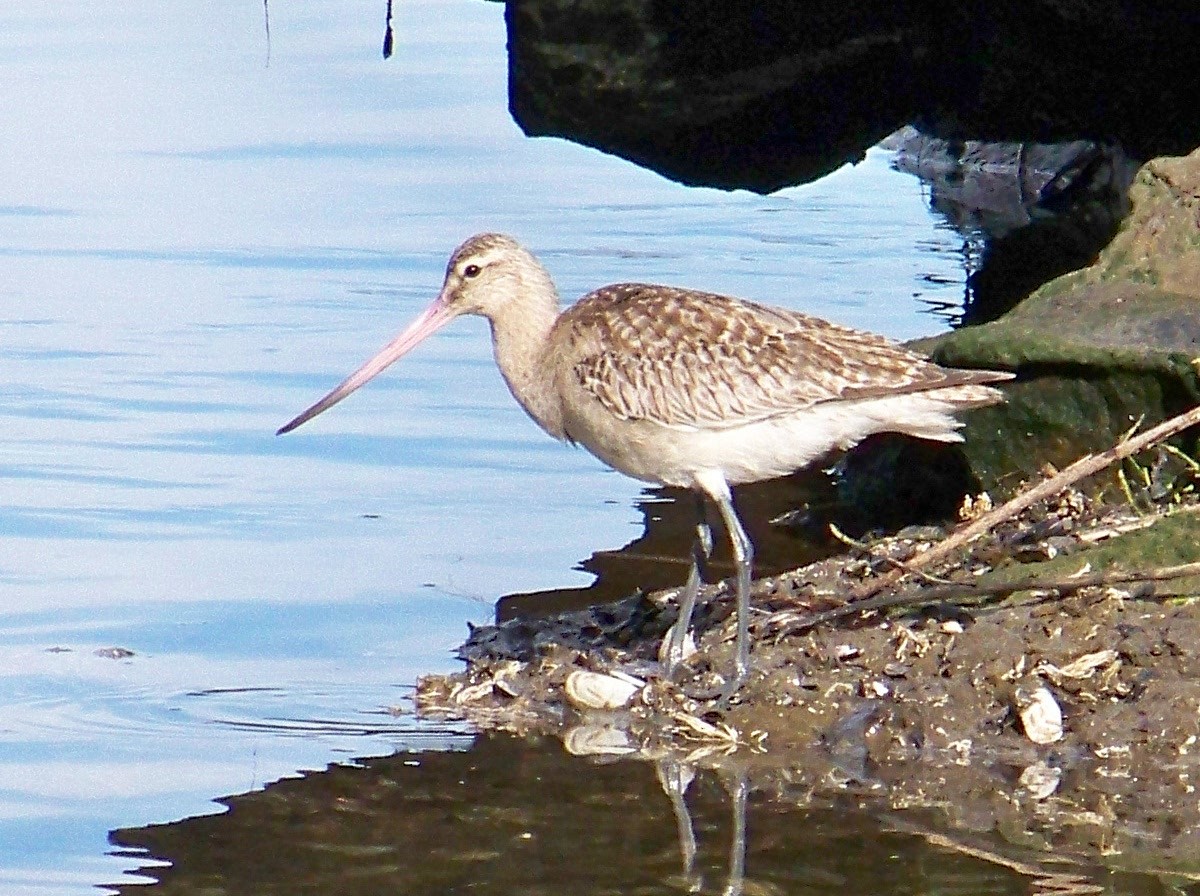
(1038,681)
(1042,684)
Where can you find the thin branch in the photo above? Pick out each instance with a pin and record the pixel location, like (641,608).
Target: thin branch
(388,37)
(895,563)
(940,593)
(1086,466)
(267,29)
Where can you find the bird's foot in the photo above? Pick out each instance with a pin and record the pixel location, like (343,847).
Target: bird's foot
(711,687)
(731,689)
(677,647)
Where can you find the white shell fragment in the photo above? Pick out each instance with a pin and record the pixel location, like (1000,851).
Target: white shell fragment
(598,740)
(1040,715)
(1040,780)
(1080,667)
(592,690)
(473,693)
(507,679)
(875,689)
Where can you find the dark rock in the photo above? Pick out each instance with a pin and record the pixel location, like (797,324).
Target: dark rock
(760,95)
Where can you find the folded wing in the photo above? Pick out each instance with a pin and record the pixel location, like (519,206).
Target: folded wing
(684,358)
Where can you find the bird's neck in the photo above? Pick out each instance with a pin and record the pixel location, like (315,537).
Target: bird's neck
(521,340)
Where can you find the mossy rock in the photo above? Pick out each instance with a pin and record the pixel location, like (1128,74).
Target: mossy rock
(1099,349)
(1170,541)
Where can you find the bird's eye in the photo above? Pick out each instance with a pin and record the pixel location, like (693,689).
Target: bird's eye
(471,270)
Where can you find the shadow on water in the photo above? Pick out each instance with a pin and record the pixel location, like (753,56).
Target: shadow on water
(512,815)
(506,815)
(659,557)
(520,815)
(1028,212)
(889,481)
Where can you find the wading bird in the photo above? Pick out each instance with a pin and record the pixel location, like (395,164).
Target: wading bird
(686,388)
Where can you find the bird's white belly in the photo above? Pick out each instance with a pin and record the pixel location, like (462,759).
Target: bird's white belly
(758,450)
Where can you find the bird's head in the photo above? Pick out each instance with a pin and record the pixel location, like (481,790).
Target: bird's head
(486,275)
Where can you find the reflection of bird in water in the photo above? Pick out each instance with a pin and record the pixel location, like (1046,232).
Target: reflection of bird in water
(686,388)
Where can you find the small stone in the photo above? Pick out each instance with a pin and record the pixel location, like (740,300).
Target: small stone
(114,653)
(507,679)
(508,687)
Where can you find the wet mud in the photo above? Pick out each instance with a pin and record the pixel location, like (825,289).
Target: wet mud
(1040,684)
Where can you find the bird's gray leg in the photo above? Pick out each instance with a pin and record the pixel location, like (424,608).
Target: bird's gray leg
(738,790)
(701,552)
(717,488)
(675,777)
(703,548)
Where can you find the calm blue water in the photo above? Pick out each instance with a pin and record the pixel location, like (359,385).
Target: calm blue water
(195,245)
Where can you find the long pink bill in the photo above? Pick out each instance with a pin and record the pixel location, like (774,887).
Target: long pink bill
(431,320)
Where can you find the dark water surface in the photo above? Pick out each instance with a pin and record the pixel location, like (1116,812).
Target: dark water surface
(195,245)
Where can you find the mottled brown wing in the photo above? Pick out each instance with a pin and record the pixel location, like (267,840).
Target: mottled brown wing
(686,358)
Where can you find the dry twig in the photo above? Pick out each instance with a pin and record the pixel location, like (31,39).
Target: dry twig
(915,597)
(1086,466)
(894,562)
